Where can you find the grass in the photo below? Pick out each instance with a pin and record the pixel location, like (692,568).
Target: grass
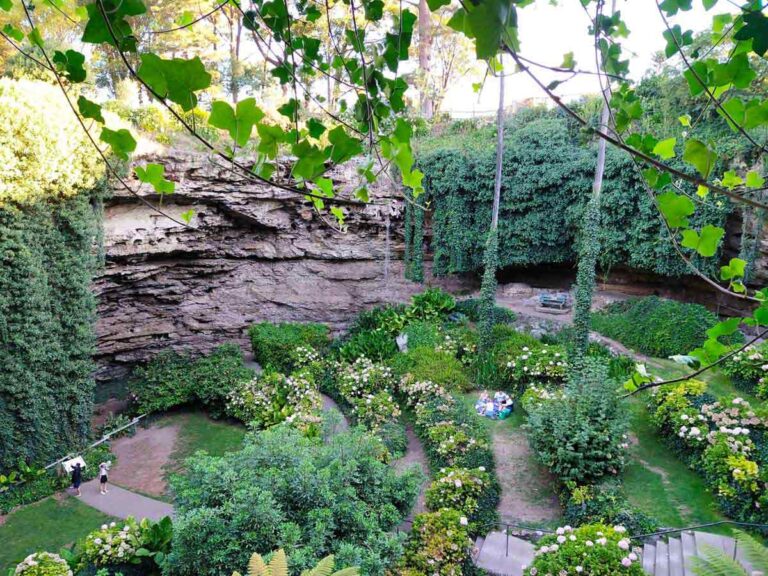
(197,431)
(49,525)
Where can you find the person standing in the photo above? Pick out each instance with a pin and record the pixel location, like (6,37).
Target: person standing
(77,477)
(103,477)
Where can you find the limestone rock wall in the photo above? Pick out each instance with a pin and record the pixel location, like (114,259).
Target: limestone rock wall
(255,253)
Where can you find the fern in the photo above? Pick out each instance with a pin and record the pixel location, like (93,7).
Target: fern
(278,566)
(753,551)
(714,562)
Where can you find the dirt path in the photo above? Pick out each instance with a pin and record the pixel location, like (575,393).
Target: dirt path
(527,493)
(414,456)
(141,459)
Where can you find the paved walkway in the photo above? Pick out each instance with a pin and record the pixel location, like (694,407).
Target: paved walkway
(121,503)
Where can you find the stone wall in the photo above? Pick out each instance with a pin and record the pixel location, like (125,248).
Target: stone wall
(255,253)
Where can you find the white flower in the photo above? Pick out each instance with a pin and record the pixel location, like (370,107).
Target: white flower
(561,539)
(463,521)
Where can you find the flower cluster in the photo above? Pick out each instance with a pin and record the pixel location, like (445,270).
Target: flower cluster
(418,392)
(439,543)
(308,362)
(749,369)
(113,543)
(462,345)
(43,564)
(364,377)
(273,398)
(458,488)
(536,394)
(592,549)
(375,410)
(546,365)
(452,440)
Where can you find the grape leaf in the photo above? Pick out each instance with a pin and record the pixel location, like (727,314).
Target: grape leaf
(665,149)
(343,146)
(176,79)
(270,138)
(11,31)
(754,179)
(675,208)
(89,109)
(188,215)
(239,122)
(699,156)
(6,5)
(734,269)
(755,28)
(315,127)
(71,63)
(185,19)
(154,174)
(705,243)
(117,31)
(121,141)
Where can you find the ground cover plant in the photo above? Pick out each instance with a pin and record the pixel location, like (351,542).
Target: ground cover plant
(275,344)
(173,379)
(656,326)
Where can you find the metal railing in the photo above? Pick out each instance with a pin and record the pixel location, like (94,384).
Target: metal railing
(132,424)
(667,531)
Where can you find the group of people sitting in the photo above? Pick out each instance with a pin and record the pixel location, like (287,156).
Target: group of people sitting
(498,407)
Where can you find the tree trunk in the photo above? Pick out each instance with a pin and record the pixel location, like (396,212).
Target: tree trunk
(491,259)
(590,246)
(425,56)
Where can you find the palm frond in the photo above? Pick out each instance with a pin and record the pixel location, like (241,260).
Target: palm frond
(278,566)
(714,562)
(257,567)
(753,550)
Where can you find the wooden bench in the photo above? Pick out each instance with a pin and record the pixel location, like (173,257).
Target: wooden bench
(556,301)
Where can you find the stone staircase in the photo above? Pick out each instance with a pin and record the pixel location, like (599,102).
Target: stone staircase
(503,555)
(673,556)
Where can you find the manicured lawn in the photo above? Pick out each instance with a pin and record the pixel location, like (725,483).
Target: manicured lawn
(200,432)
(47,525)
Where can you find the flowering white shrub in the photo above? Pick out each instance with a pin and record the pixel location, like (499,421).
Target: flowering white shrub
(458,488)
(749,369)
(273,398)
(418,392)
(375,410)
(114,543)
(363,377)
(537,394)
(592,549)
(43,564)
(546,365)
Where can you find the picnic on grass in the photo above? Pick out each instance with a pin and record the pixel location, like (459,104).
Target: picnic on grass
(498,408)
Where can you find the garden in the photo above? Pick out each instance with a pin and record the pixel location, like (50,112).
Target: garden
(262,465)
(293,288)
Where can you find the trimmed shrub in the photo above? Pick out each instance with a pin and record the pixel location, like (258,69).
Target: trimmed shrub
(594,549)
(748,369)
(606,503)
(389,319)
(439,543)
(581,435)
(656,326)
(423,333)
(436,366)
(274,344)
(42,564)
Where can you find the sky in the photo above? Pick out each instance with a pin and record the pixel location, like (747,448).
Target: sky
(547,32)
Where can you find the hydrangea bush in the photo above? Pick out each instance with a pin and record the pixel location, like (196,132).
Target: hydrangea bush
(749,369)
(439,544)
(593,550)
(545,365)
(43,564)
(363,377)
(114,543)
(458,488)
(273,398)
(725,440)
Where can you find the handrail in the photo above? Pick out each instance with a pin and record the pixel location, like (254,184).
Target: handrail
(98,442)
(708,525)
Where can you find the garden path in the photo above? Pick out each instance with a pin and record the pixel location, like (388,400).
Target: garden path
(143,457)
(121,503)
(414,456)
